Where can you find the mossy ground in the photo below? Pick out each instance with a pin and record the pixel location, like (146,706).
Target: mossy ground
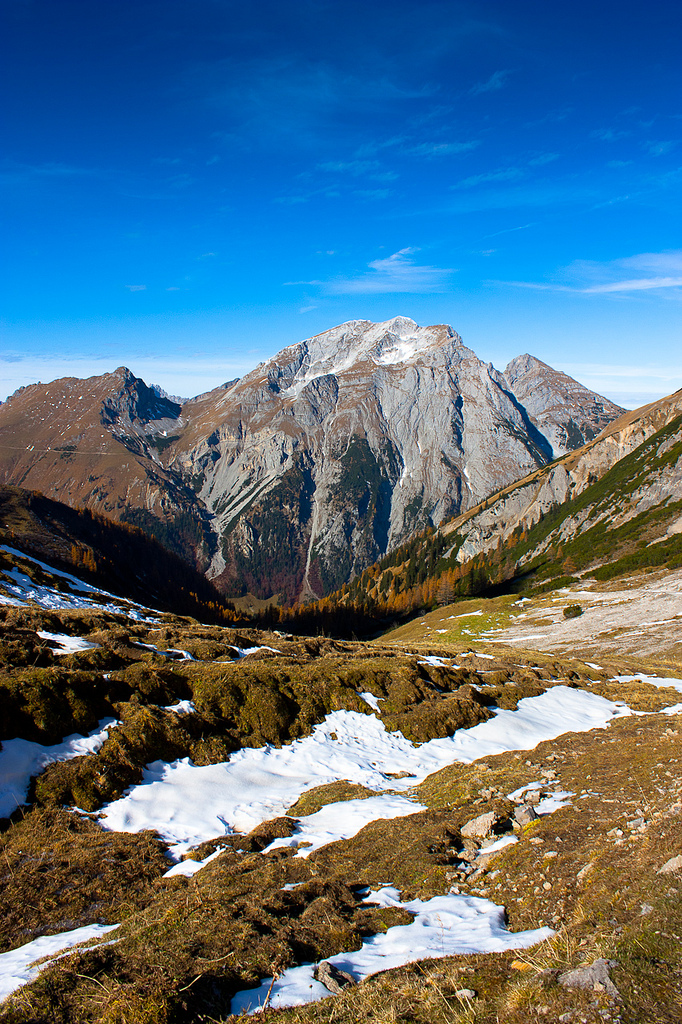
(186,945)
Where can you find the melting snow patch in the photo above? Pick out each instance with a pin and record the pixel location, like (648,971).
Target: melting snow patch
(189,804)
(431,659)
(552,803)
(499,844)
(675,684)
(370,699)
(183,707)
(20,590)
(190,867)
(442,926)
(21,759)
(243,651)
(67,644)
(343,820)
(73,581)
(17,967)
(174,653)
(518,794)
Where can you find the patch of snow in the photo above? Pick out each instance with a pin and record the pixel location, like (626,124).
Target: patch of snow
(597,668)
(188,804)
(18,966)
(518,794)
(370,699)
(674,709)
(442,926)
(243,651)
(21,759)
(343,820)
(432,659)
(499,844)
(561,798)
(67,644)
(183,707)
(73,581)
(466,615)
(174,653)
(640,677)
(20,590)
(190,867)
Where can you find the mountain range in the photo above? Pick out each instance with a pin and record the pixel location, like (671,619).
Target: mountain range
(293,479)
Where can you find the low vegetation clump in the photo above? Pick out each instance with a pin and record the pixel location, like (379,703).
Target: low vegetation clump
(572,611)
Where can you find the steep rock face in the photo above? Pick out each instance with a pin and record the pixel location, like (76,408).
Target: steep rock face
(526,502)
(303,472)
(566,413)
(339,447)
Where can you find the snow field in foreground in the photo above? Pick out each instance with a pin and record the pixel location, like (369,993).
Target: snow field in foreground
(16,966)
(20,760)
(187,804)
(442,926)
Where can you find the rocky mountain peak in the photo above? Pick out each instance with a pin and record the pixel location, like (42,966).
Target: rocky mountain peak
(342,348)
(524,364)
(565,412)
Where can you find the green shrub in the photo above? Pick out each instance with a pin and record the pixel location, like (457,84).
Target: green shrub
(572,611)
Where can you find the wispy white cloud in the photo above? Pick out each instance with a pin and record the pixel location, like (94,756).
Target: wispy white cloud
(660,148)
(497,80)
(503,174)
(543,158)
(373,193)
(635,285)
(397,273)
(648,271)
(506,231)
(609,134)
(354,167)
(443,148)
(307,309)
(136,287)
(15,173)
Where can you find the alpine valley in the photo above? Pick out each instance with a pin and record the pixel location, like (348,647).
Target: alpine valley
(289,482)
(208,809)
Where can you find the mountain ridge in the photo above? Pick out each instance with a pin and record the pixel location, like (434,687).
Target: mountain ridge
(295,477)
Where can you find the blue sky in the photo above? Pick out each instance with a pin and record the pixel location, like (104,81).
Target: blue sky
(190,186)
